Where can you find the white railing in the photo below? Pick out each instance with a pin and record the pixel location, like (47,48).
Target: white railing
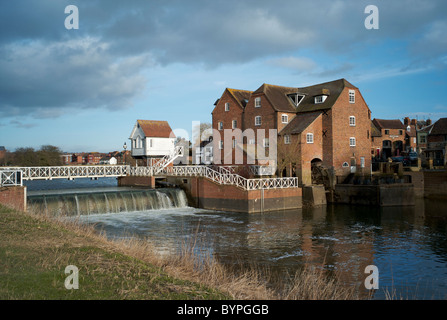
(10,178)
(15,175)
(70,172)
(166,160)
(228,178)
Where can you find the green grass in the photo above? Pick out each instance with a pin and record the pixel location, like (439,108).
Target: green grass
(34,252)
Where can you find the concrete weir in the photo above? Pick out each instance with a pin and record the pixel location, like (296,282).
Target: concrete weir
(205,194)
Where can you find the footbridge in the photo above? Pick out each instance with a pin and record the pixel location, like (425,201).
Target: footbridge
(14,176)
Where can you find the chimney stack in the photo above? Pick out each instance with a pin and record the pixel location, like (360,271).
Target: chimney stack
(428,122)
(406,121)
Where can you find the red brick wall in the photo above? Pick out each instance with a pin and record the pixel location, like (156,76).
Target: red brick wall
(220,115)
(13,197)
(342,132)
(311,151)
(210,195)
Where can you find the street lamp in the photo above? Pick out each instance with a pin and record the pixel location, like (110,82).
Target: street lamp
(124,147)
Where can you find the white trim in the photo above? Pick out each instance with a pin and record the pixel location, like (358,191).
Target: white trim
(351,96)
(310,138)
(286,117)
(352,123)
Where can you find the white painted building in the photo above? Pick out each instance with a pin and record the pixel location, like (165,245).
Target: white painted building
(151,139)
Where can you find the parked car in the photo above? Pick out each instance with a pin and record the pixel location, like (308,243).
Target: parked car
(412,156)
(405,160)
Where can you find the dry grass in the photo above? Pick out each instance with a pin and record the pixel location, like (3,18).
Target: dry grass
(240,283)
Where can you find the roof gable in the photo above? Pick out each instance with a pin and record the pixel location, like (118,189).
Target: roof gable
(388,124)
(300,123)
(439,127)
(155,128)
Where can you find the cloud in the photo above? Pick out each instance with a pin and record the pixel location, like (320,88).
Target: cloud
(294,63)
(44,78)
(48,70)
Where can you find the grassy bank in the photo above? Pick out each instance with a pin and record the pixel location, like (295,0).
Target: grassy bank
(35,250)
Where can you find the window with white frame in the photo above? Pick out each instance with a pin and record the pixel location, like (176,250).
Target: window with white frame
(286,139)
(234,124)
(266,143)
(227,106)
(310,138)
(257,120)
(319,99)
(351,96)
(221,144)
(251,141)
(352,121)
(220,125)
(352,142)
(234,143)
(284,118)
(258,102)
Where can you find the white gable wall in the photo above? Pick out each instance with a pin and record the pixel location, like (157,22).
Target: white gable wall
(159,146)
(149,146)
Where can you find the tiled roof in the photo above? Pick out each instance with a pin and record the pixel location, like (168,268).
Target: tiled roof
(241,96)
(439,127)
(388,124)
(155,128)
(278,95)
(300,122)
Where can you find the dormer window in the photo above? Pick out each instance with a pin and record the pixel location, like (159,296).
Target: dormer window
(320,99)
(296,98)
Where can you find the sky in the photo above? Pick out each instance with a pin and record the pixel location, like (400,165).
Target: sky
(83,89)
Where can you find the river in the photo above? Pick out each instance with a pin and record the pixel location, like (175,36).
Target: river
(408,245)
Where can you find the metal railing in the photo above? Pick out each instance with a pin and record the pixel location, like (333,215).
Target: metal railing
(10,178)
(228,178)
(166,160)
(70,172)
(15,175)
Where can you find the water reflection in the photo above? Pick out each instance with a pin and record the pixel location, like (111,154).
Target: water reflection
(407,244)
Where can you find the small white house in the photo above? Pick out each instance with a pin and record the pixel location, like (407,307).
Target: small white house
(151,139)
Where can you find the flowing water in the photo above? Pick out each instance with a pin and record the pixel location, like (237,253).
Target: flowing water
(407,244)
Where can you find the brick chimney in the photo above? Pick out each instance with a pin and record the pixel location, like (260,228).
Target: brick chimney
(428,122)
(413,122)
(406,121)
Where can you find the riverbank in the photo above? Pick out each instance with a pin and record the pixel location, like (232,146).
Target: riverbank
(35,250)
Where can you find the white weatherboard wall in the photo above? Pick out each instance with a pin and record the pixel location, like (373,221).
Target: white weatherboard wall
(159,146)
(150,146)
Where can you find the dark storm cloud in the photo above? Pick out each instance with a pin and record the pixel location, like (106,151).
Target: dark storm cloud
(46,69)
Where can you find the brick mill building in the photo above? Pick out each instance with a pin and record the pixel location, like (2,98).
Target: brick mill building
(326,125)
